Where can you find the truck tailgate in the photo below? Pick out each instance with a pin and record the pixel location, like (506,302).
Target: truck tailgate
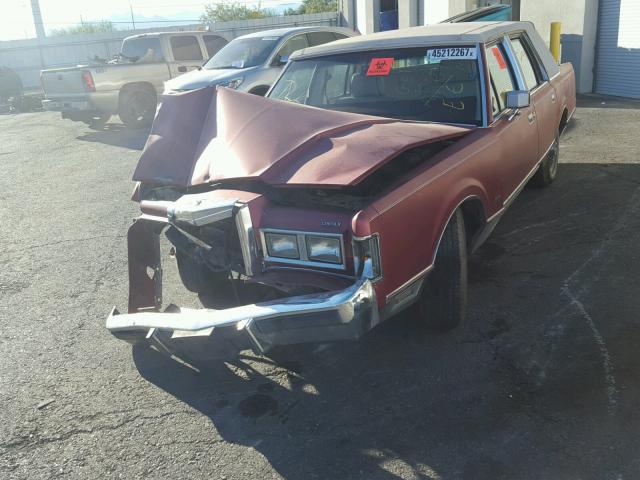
(62,82)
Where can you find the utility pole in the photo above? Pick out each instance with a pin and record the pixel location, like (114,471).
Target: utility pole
(37,18)
(132,19)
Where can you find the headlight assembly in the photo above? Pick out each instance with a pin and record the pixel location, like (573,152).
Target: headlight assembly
(282,245)
(304,248)
(324,249)
(235,83)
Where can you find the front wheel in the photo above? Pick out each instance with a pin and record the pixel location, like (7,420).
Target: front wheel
(548,169)
(137,107)
(443,301)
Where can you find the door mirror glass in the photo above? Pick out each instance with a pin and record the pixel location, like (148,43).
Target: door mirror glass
(518,99)
(282,60)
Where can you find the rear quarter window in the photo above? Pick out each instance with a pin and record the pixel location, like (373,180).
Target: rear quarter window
(213,43)
(185,47)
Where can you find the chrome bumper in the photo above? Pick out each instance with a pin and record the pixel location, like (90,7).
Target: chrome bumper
(339,315)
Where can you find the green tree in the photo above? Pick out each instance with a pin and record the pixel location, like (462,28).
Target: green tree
(85,27)
(314,6)
(227,11)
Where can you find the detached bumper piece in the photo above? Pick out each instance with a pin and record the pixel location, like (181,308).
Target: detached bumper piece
(341,315)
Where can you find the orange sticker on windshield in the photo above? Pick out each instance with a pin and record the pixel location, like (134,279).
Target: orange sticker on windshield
(499,58)
(380,67)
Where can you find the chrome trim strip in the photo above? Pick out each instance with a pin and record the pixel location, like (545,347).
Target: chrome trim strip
(408,283)
(302,249)
(483,89)
(506,43)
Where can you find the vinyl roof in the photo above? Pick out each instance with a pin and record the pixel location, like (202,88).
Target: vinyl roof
(438,34)
(444,34)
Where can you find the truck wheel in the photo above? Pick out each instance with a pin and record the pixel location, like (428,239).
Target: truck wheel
(443,301)
(98,122)
(196,277)
(549,166)
(137,107)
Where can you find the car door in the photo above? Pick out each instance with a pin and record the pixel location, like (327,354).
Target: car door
(186,53)
(543,94)
(515,132)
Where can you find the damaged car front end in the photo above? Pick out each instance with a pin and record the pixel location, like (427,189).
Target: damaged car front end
(267,207)
(327,315)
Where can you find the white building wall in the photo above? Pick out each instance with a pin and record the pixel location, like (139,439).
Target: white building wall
(435,11)
(579,20)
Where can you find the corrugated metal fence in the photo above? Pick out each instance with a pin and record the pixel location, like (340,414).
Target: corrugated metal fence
(28,57)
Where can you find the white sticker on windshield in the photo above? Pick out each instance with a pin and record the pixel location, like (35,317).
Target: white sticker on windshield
(237,64)
(270,38)
(453,53)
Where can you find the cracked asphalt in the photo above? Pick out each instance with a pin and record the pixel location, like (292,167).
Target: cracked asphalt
(542,382)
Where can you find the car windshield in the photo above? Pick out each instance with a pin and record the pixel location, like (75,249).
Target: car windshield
(142,49)
(438,84)
(243,53)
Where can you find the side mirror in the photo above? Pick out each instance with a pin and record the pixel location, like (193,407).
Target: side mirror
(518,99)
(282,60)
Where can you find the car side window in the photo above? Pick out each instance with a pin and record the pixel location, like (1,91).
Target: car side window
(294,43)
(500,76)
(185,47)
(340,36)
(526,63)
(318,38)
(213,43)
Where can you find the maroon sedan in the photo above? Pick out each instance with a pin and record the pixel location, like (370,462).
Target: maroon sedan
(356,188)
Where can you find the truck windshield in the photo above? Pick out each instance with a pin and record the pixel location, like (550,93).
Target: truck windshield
(243,53)
(437,84)
(142,49)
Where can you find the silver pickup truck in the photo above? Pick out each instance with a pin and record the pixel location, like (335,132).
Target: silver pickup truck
(129,84)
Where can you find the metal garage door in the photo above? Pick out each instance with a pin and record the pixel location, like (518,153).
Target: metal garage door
(618,54)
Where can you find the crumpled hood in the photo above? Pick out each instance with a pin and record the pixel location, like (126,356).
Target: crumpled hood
(205,78)
(210,135)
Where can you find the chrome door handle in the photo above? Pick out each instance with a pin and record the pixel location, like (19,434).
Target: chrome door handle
(553,97)
(531,117)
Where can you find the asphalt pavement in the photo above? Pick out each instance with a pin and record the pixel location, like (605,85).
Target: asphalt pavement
(542,382)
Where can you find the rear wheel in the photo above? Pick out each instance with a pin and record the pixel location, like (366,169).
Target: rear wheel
(99,121)
(137,107)
(443,301)
(546,174)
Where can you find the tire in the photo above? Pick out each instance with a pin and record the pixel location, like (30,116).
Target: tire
(196,277)
(443,302)
(98,122)
(548,170)
(17,103)
(137,107)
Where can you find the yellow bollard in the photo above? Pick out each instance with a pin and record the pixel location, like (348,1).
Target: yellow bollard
(554,41)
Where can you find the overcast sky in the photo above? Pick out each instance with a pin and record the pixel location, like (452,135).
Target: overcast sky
(17,21)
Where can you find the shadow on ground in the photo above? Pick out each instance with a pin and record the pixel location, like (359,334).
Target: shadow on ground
(118,135)
(540,383)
